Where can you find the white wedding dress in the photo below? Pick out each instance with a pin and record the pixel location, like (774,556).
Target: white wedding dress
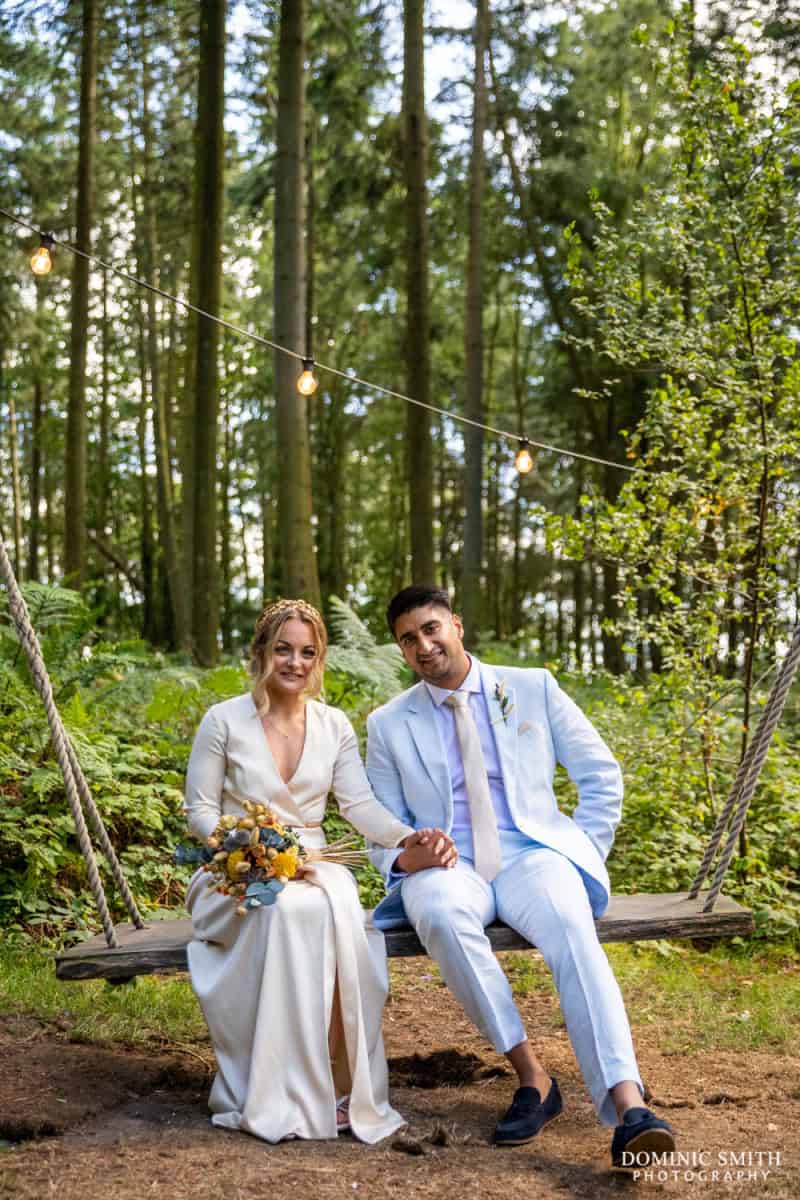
(265,980)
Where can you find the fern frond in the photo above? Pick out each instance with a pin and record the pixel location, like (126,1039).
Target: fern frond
(357,654)
(50,607)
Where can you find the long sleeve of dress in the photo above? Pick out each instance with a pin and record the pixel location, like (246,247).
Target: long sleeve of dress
(205,776)
(356,798)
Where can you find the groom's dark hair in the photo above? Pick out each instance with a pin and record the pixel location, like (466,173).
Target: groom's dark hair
(416,596)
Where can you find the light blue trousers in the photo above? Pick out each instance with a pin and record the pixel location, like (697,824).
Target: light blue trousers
(541,894)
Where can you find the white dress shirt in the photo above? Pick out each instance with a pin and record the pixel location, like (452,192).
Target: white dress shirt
(461,831)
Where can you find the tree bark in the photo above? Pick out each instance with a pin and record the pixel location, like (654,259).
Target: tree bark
(593,657)
(226,614)
(417,348)
(492,490)
(472,563)
(16,492)
(150,622)
(75,467)
(519,373)
(210,167)
(37,437)
(103,480)
(578,577)
(295,528)
(175,619)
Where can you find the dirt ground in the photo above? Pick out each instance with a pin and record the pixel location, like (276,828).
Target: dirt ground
(81,1121)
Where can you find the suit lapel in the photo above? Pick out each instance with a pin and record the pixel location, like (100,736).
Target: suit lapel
(504,719)
(424,728)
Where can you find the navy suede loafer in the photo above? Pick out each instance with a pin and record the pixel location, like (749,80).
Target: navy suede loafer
(527,1115)
(640,1136)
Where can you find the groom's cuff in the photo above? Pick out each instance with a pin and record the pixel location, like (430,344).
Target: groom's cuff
(395,875)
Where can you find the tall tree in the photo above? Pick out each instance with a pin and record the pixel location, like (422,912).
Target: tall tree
(13,453)
(37,436)
(174,623)
(419,451)
(472,563)
(75,474)
(209,170)
(298,560)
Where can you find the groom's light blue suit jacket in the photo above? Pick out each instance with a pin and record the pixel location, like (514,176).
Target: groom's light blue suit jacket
(407,768)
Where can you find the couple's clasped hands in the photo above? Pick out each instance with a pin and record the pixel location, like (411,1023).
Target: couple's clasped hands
(426,848)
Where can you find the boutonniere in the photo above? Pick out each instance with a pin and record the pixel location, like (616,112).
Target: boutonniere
(502,699)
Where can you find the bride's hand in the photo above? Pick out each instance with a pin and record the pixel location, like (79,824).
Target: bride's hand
(306,869)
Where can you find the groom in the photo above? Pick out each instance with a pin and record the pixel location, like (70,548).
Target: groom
(471,750)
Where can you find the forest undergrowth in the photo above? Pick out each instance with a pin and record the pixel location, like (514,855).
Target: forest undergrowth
(132,712)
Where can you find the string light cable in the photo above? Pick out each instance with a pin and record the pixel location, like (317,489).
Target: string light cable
(523,442)
(307,382)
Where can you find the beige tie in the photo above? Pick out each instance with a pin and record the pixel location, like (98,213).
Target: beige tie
(485,839)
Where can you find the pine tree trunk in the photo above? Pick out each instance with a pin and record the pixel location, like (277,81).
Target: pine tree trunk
(330,449)
(592,615)
(579,614)
(519,368)
(37,437)
(492,488)
(613,656)
(472,564)
(299,565)
(210,167)
(226,620)
(270,575)
(399,523)
(152,628)
(243,527)
(49,488)
(103,474)
(150,622)
(75,466)
(171,388)
(174,616)
(417,348)
(446,576)
(16,493)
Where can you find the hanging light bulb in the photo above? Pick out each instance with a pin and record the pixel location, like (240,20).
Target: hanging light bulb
(307,382)
(42,261)
(524,459)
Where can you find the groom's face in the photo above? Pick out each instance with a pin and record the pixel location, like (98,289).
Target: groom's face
(431,640)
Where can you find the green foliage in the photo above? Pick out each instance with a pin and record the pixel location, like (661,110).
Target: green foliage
(359,669)
(678,739)
(149,1010)
(693,298)
(728,997)
(132,715)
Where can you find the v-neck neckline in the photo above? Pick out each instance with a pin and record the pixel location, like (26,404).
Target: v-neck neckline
(275,767)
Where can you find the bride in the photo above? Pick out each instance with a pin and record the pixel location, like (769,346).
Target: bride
(293,993)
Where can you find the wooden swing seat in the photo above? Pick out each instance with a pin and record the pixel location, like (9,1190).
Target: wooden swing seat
(160,948)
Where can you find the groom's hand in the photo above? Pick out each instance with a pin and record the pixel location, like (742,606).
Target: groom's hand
(424,849)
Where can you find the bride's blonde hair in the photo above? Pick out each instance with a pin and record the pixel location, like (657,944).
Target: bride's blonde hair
(268,628)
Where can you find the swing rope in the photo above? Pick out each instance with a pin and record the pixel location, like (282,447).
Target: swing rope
(744,784)
(77,788)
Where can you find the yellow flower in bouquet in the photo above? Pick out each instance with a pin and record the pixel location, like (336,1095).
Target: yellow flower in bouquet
(252,857)
(232,864)
(286,862)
